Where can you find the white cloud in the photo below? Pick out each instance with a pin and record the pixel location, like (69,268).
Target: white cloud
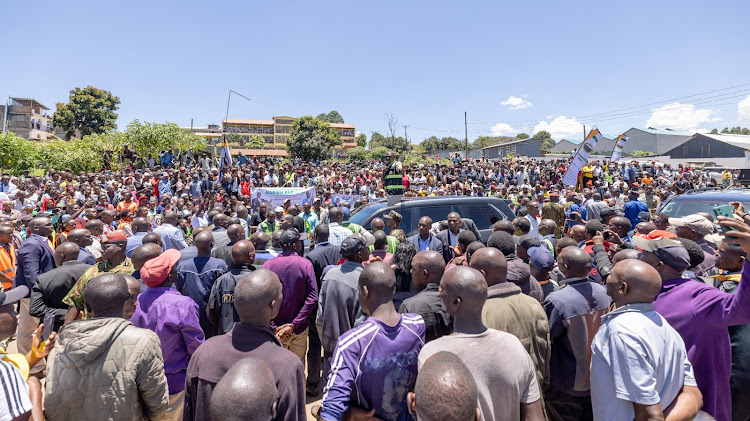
(517,103)
(743,110)
(679,116)
(561,127)
(503,129)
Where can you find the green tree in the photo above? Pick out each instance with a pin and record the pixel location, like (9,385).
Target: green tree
(256,142)
(745,131)
(332,117)
(522,136)
(379,153)
(547,145)
(376,140)
(152,138)
(17,154)
(311,139)
(541,135)
(89,110)
(361,140)
(725,130)
(485,141)
(236,139)
(357,154)
(641,154)
(714,131)
(397,144)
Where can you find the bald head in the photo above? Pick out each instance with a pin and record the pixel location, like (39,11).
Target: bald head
(204,242)
(578,232)
(335,215)
(80,236)
(633,281)
(379,279)
(65,252)
(171,218)
(235,232)
(260,239)
(625,254)
(105,295)
(257,296)
(140,225)
(464,292)
(492,265)
(220,220)
(144,253)
(427,267)
(445,390)
(377,224)
(243,252)
(574,262)
(246,392)
(152,238)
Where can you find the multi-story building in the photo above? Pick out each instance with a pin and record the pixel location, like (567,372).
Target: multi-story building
(212,133)
(27,118)
(275,132)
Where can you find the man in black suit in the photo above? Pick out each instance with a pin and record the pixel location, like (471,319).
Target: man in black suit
(449,237)
(324,254)
(468,224)
(51,287)
(424,240)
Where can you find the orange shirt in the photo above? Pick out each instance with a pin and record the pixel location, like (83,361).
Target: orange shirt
(122,206)
(8,264)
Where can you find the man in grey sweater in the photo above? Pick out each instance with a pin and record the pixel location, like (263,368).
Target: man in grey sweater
(338,298)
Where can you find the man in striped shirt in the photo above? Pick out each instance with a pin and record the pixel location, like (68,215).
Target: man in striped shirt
(374,365)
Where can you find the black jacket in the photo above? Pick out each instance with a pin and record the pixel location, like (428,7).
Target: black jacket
(51,287)
(323,255)
(427,304)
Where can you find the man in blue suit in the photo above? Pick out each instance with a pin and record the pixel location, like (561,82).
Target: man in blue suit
(35,257)
(424,240)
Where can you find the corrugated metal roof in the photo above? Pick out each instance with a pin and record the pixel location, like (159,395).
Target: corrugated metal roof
(509,143)
(666,132)
(240,121)
(738,140)
(342,125)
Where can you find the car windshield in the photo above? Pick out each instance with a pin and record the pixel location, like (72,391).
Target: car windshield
(361,215)
(680,208)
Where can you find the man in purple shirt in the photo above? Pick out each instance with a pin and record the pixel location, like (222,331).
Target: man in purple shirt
(300,293)
(375,364)
(174,319)
(700,313)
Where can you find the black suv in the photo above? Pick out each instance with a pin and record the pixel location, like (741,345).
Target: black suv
(484,211)
(703,200)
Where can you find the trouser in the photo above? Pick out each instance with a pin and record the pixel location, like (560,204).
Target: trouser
(297,343)
(314,362)
(24,334)
(174,408)
(326,367)
(564,407)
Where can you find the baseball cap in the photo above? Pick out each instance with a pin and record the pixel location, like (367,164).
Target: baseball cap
(661,244)
(278,209)
(541,258)
(155,271)
(528,241)
(695,222)
(393,215)
(13,295)
(354,243)
(644,216)
(290,236)
(115,236)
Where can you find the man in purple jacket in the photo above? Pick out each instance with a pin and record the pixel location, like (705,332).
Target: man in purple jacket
(300,293)
(700,313)
(375,364)
(174,319)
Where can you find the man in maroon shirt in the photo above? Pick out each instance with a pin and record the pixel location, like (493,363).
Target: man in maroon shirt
(300,293)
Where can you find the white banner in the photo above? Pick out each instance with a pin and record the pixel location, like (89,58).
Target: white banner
(579,160)
(619,145)
(337,199)
(277,196)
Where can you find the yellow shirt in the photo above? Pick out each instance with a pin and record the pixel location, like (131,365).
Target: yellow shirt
(588,171)
(18,360)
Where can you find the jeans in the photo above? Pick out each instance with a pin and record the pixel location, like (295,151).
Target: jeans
(314,362)
(297,343)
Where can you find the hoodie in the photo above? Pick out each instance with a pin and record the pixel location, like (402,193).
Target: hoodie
(519,274)
(106,368)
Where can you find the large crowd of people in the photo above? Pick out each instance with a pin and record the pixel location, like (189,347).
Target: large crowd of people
(165,291)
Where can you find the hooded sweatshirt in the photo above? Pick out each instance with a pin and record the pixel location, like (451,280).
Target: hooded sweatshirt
(519,274)
(106,368)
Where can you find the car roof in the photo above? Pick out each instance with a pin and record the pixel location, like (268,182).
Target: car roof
(714,194)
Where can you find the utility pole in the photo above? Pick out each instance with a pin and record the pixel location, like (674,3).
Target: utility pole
(406,138)
(466,134)
(584,132)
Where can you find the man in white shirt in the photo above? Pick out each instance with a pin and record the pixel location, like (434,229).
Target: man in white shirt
(7,187)
(271,179)
(639,364)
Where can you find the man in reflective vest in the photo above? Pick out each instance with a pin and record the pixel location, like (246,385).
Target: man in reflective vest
(7,257)
(392,179)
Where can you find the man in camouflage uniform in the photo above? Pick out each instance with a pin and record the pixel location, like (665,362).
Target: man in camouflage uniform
(555,211)
(651,200)
(113,261)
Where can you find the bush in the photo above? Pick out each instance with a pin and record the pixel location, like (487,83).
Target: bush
(379,153)
(357,154)
(17,154)
(641,154)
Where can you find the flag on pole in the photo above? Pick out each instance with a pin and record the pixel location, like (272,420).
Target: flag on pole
(619,145)
(226,159)
(581,156)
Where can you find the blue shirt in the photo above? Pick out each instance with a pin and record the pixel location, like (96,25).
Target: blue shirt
(424,244)
(195,277)
(632,209)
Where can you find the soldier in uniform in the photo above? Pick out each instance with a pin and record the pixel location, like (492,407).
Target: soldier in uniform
(393,179)
(555,211)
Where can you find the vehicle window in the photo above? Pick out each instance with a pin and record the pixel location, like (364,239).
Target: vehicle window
(680,208)
(406,222)
(362,214)
(436,213)
(483,215)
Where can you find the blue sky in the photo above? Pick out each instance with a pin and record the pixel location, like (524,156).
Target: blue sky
(552,63)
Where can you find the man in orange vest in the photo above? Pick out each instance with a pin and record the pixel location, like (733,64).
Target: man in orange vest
(7,257)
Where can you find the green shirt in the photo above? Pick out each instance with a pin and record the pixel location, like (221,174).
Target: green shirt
(268,228)
(74,298)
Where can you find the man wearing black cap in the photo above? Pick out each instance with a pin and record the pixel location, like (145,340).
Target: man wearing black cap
(338,300)
(300,293)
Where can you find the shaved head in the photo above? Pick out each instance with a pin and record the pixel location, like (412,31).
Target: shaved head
(144,253)
(379,279)
(235,232)
(80,236)
(152,238)
(247,392)
(255,294)
(633,281)
(204,241)
(625,254)
(335,214)
(491,263)
(574,262)
(65,252)
(427,267)
(140,225)
(220,220)
(445,390)
(377,224)
(464,292)
(105,295)
(243,252)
